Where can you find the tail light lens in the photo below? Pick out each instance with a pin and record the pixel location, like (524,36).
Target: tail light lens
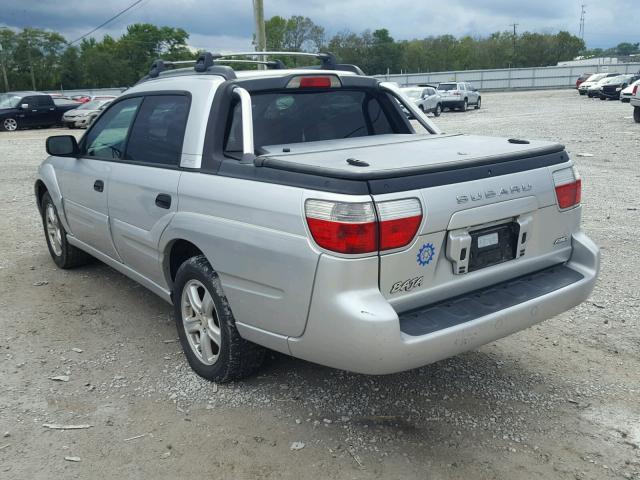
(399,222)
(343,227)
(456,92)
(314,81)
(568,187)
(356,228)
(635,90)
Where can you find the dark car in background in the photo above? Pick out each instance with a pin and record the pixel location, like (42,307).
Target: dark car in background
(582,78)
(31,109)
(612,89)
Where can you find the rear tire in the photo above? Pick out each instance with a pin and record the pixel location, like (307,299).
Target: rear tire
(206,326)
(63,254)
(636,114)
(478,103)
(465,105)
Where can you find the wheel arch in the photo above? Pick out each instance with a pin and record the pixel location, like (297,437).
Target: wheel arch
(176,252)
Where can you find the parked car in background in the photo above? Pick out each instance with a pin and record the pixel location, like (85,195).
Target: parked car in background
(611,89)
(85,114)
(592,80)
(31,109)
(581,79)
(627,93)
(459,95)
(81,98)
(635,103)
(594,90)
(426,99)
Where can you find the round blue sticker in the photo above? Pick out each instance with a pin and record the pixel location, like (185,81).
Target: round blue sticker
(426,254)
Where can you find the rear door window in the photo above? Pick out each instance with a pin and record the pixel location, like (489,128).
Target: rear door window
(447,86)
(297,117)
(158,130)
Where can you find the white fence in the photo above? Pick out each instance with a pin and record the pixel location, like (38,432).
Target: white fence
(89,91)
(513,78)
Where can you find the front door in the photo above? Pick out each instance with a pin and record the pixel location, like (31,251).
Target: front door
(84,180)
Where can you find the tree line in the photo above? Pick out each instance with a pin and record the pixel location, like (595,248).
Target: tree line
(44,60)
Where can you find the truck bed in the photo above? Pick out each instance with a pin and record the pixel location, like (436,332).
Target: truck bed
(391,156)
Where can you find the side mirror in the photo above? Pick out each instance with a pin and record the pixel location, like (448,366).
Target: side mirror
(24,106)
(62,146)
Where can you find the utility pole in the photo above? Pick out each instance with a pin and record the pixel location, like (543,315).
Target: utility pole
(33,77)
(4,70)
(515,35)
(261,37)
(582,15)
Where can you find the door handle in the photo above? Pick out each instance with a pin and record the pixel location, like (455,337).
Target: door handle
(98,186)
(163,200)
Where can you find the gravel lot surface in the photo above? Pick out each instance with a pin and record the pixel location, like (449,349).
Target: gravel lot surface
(560,400)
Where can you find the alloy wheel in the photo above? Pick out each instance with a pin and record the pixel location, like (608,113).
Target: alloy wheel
(200,322)
(10,124)
(54,233)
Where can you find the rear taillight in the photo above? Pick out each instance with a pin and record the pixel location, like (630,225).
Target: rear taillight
(568,187)
(356,228)
(456,92)
(399,222)
(343,227)
(635,90)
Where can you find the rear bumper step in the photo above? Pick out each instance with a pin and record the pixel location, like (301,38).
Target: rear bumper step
(486,301)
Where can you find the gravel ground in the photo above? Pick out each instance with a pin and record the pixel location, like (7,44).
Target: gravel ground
(559,400)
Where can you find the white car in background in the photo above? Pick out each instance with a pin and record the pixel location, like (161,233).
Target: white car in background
(635,103)
(627,93)
(85,114)
(592,80)
(593,90)
(426,99)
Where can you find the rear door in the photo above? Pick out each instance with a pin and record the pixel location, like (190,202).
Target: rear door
(143,187)
(84,180)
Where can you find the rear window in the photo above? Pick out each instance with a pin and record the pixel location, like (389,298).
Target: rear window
(298,117)
(447,86)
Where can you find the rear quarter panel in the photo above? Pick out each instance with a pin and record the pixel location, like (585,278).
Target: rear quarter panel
(254,235)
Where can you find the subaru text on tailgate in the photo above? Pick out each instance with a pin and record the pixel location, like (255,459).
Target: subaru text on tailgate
(298,210)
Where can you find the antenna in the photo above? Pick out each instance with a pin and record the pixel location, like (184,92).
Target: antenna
(583,11)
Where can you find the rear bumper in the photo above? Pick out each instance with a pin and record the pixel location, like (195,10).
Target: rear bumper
(359,331)
(450,103)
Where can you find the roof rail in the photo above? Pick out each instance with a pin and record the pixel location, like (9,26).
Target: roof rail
(208,62)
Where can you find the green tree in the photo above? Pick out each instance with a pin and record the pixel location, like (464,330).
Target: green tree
(70,68)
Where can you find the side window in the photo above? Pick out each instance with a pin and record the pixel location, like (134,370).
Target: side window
(462,86)
(108,136)
(31,101)
(43,101)
(158,131)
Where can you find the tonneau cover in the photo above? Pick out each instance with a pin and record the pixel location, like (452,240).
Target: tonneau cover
(398,155)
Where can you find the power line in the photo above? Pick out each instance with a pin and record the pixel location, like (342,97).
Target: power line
(108,21)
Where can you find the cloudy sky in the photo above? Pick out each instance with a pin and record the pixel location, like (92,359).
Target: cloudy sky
(220,25)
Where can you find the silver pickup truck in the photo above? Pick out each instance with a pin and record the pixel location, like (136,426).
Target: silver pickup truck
(298,210)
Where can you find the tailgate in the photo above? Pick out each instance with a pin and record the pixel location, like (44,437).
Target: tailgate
(478,233)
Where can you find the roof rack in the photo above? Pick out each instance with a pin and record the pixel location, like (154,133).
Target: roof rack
(210,62)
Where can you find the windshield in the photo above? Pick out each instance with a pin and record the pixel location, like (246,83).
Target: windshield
(297,117)
(413,94)
(447,86)
(596,77)
(8,100)
(92,105)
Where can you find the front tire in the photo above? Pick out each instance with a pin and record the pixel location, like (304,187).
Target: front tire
(9,124)
(63,254)
(206,326)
